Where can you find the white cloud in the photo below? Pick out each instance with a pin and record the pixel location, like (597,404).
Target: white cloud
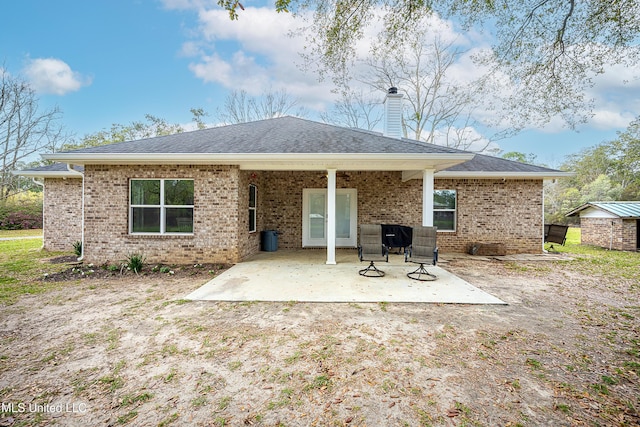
(616,96)
(254,53)
(54,76)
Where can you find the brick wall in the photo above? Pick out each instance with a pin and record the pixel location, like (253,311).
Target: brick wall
(249,242)
(496,211)
(62,209)
(215,217)
(616,233)
(629,235)
(489,211)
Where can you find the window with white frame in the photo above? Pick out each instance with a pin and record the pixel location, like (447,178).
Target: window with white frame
(161,206)
(253,203)
(444,210)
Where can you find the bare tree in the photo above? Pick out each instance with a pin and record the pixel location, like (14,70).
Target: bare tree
(240,107)
(550,49)
(438,108)
(354,110)
(24,129)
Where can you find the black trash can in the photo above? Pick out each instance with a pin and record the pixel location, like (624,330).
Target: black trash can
(269,240)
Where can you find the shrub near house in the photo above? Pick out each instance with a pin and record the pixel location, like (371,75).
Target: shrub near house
(21,212)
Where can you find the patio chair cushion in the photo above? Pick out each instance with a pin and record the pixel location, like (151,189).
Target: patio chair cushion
(423,249)
(372,252)
(371,247)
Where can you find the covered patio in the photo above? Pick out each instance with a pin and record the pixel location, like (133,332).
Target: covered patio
(304,276)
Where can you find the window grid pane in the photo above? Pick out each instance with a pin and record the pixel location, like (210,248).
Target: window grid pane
(444,209)
(178,192)
(145,220)
(179,220)
(253,202)
(149,206)
(145,192)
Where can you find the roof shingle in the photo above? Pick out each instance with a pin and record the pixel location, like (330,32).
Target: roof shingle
(280,135)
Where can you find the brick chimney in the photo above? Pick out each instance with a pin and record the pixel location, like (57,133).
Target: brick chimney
(393,113)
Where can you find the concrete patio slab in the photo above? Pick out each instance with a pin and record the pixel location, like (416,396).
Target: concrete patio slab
(303,276)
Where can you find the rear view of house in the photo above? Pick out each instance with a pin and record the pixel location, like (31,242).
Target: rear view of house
(205,196)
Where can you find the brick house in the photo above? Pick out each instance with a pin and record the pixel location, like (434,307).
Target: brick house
(612,225)
(204,196)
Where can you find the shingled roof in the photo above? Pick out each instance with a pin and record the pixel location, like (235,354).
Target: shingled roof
(279,135)
(297,144)
(496,165)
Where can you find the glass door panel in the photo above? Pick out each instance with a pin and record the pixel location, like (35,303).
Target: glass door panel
(343,216)
(314,217)
(317,215)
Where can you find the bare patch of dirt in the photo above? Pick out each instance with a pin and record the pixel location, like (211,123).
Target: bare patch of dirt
(79,270)
(129,350)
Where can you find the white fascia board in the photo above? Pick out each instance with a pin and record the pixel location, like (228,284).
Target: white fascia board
(503,175)
(275,161)
(49,174)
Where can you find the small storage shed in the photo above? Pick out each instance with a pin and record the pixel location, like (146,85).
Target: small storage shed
(612,225)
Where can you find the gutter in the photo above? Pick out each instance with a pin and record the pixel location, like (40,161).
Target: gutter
(76,172)
(236,158)
(504,175)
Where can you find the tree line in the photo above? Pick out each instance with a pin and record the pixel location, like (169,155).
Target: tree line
(604,172)
(609,171)
(545,56)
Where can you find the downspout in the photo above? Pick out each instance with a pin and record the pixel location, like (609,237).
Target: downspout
(71,169)
(41,184)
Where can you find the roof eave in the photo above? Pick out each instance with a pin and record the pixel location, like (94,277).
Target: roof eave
(48,174)
(580,208)
(504,175)
(276,161)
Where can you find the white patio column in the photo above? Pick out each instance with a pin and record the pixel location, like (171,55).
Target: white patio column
(331,216)
(427,197)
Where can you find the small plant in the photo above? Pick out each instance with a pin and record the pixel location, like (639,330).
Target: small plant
(562,407)
(233,366)
(131,399)
(124,419)
(223,403)
(320,382)
(165,269)
(199,401)
(77,248)
(135,262)
(534,363)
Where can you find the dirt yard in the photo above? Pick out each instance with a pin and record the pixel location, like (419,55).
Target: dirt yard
(107,350)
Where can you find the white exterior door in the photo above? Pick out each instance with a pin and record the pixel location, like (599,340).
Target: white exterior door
(314,217)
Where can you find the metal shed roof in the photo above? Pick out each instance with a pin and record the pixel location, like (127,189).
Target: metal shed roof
(621,209)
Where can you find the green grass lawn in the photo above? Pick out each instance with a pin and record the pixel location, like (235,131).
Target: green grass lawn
(21,269)
(20,233)
(599,260)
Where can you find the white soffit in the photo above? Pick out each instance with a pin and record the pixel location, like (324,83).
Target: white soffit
(593,212)
(280,161)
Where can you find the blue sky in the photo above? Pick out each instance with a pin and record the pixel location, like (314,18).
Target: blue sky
(105,62)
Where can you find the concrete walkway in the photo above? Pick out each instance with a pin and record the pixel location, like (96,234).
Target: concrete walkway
(303,276)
